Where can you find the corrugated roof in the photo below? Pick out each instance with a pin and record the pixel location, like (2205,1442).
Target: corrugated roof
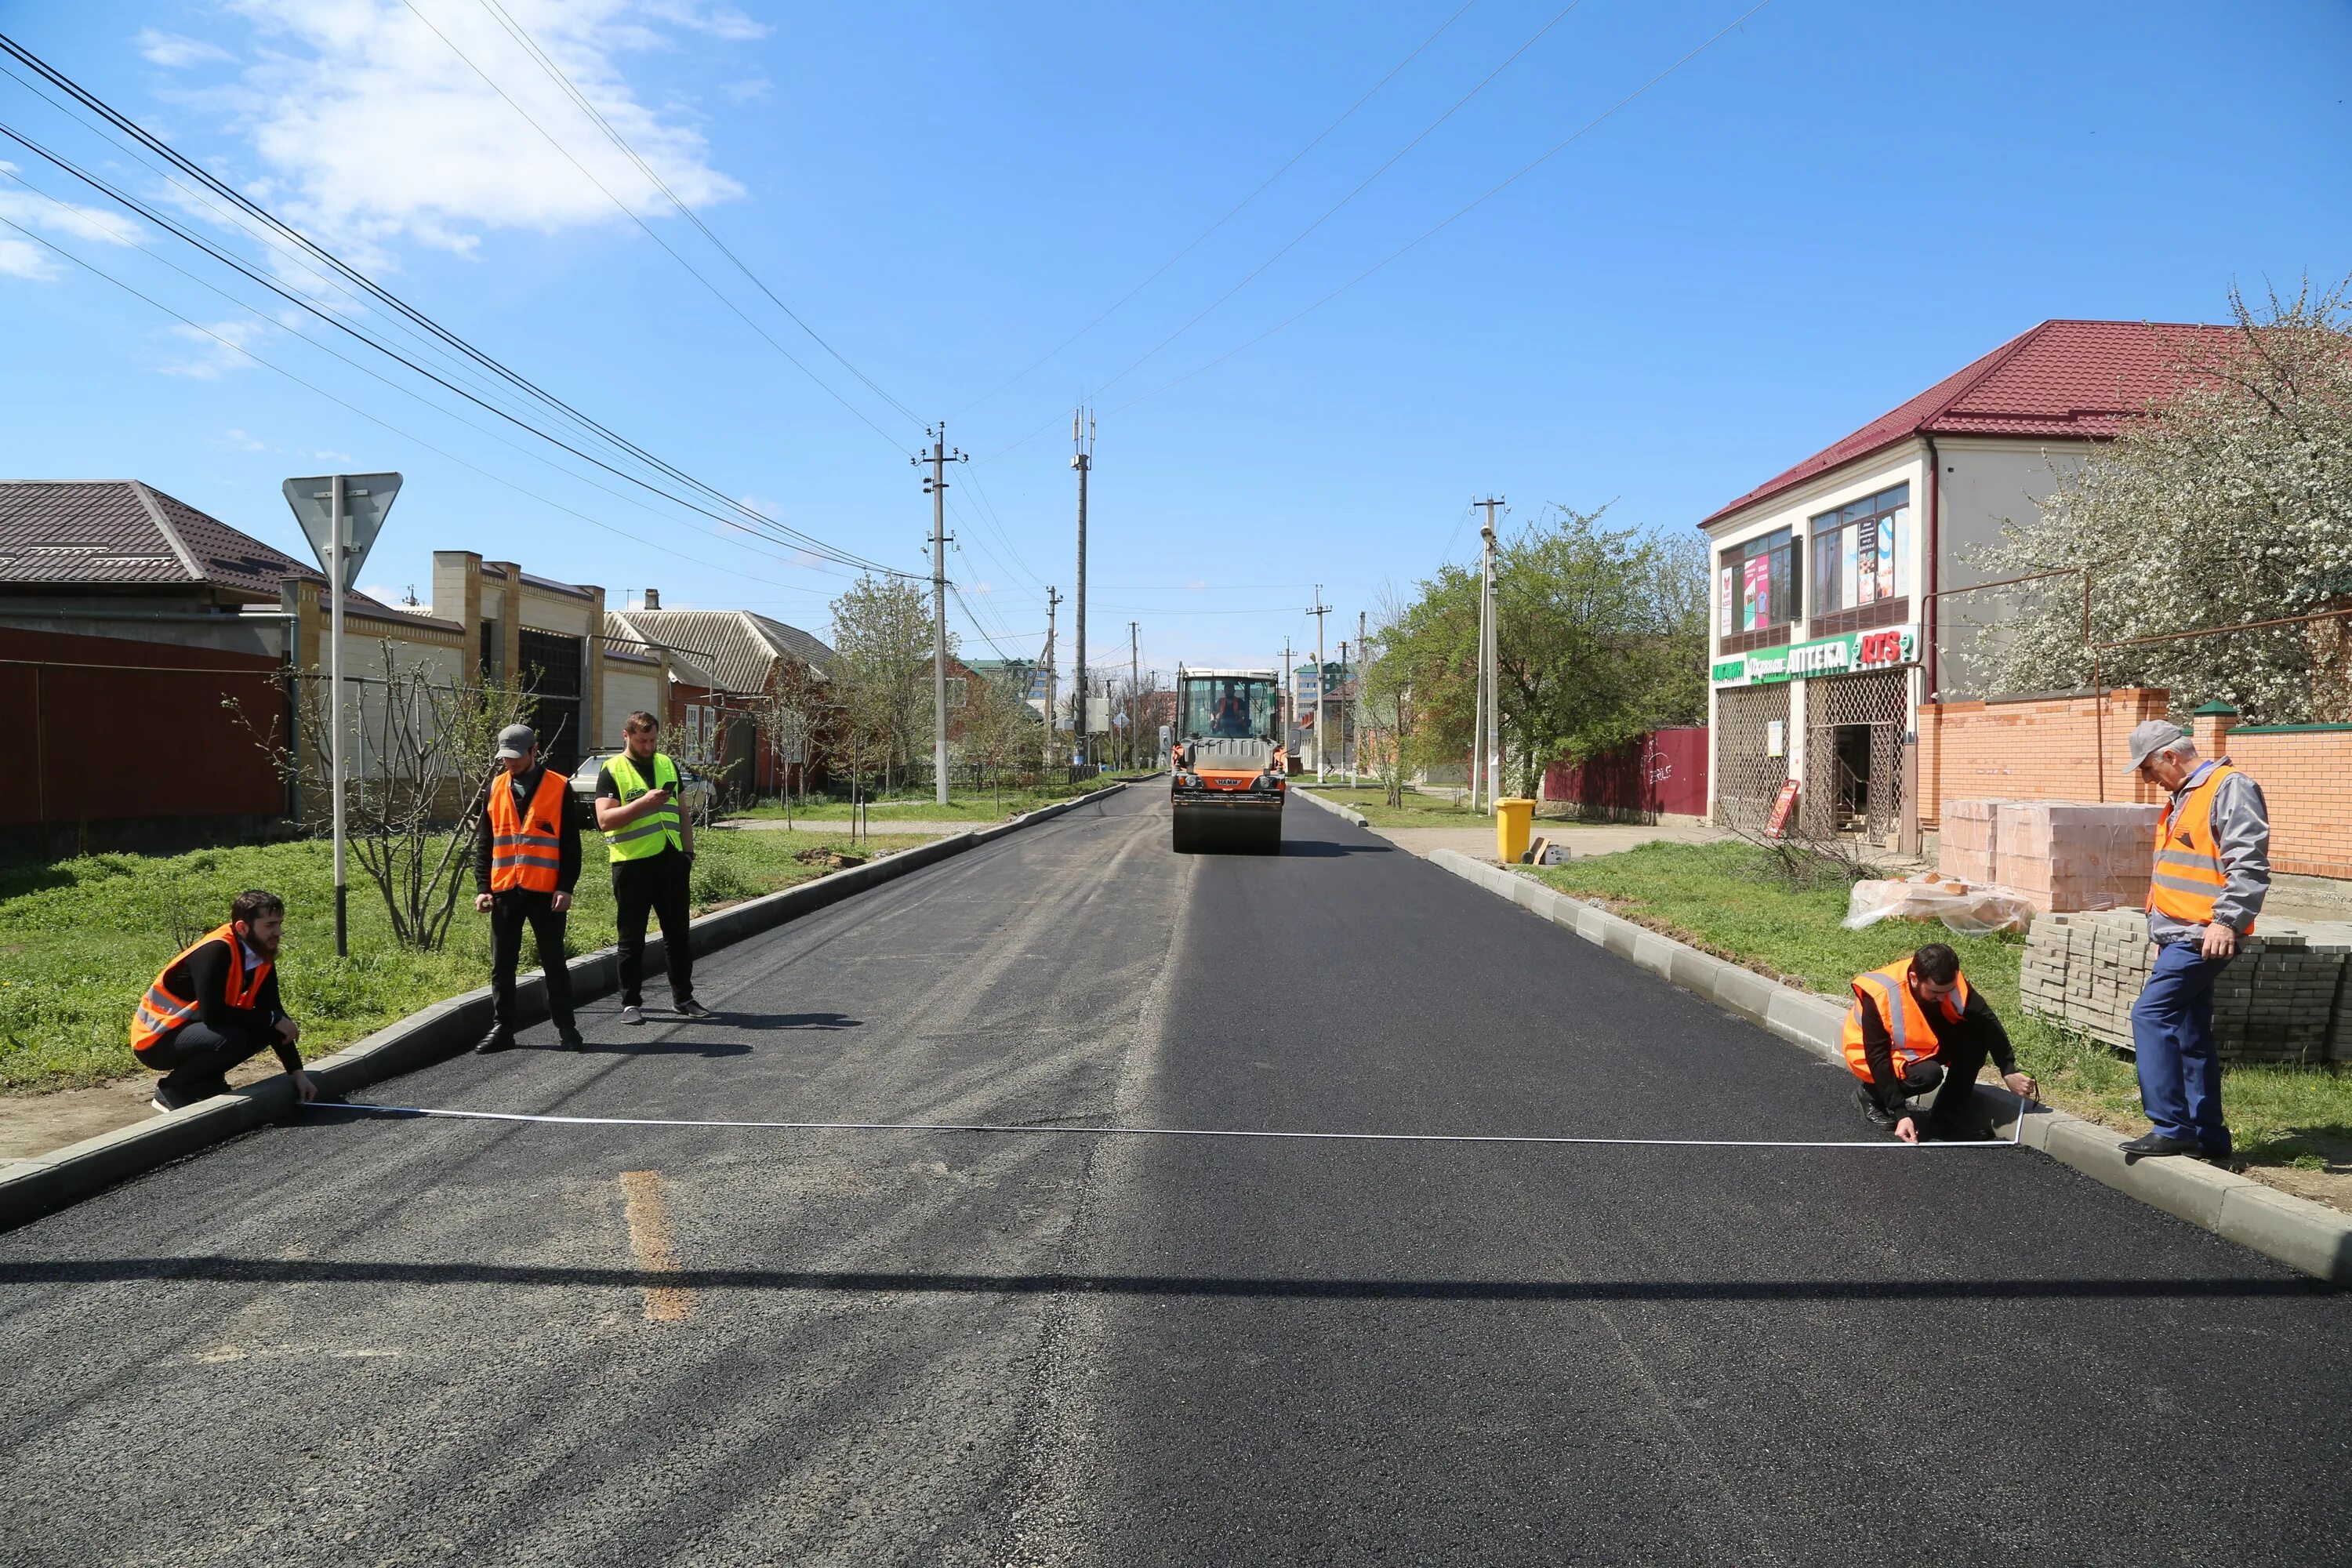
(734,647)
(2061,381)
(114,533)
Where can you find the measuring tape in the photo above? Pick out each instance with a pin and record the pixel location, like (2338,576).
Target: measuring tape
(1061,1129)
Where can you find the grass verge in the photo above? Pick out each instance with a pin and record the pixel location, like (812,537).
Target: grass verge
(982,805)
(1724,897)
(1418,810)
(83,937)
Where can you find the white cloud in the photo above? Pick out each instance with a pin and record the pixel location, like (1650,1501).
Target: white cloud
(718,21)
(375,131)
(175,52)
(242,442)
(23,259)
(750,89)
(218,344)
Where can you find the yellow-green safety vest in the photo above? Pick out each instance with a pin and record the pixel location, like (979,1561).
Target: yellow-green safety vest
(649,834)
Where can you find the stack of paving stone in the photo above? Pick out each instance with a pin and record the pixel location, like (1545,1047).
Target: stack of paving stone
(2287,998)
(1964,843)
(2056,855)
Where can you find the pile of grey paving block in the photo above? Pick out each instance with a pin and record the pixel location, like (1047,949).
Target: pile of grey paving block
(2287,996)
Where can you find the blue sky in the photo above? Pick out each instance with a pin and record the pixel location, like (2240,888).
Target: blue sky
(1828,208)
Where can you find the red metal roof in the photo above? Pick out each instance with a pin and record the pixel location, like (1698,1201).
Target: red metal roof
(2061,381)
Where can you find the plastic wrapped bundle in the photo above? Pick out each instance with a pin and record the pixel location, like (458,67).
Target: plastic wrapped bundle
(1971,909)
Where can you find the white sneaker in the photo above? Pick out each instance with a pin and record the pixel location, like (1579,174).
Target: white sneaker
(633,1014)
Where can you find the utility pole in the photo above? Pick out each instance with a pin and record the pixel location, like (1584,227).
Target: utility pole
(1364,657)
(936,487)
(1347,757)
(1490,656)
(1082,437)
(1318,611)
(1289,713)
(1053,603)
(1134,679)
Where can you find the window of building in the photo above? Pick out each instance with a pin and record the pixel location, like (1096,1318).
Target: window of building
(1859,563)
(1759,589)
(955,691)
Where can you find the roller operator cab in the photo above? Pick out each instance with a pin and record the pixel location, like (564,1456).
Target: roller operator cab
(1229,779)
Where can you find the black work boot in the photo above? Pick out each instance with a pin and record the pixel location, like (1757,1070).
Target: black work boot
(1871,1110)
(495,1040)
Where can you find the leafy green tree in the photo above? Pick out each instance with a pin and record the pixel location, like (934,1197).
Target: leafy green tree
(1602,638)
(2228,503)
(882,671)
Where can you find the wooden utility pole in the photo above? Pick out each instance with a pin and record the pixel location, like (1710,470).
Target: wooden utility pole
(936,487)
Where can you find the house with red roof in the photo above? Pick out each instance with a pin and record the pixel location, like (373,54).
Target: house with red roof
(1840,587)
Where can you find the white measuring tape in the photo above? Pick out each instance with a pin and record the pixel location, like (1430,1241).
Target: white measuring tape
(1062,1129)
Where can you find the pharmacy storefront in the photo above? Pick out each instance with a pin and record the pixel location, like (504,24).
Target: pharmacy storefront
(1831,712)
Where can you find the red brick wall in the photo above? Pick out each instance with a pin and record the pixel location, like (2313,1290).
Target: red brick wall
(2303,775)
(2037,748)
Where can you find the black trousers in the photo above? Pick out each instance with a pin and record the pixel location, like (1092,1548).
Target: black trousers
(1958,1059)
(195,1055)
(656,885)
(508,912)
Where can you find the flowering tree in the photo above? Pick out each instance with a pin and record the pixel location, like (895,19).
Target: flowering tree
(2230,502)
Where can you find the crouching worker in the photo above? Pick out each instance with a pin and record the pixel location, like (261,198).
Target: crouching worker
(217,1005)
(1915,1024)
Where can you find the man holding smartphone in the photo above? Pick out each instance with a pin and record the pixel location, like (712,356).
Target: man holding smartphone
(651,842)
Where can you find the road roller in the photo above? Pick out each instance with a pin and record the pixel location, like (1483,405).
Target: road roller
(1230,772)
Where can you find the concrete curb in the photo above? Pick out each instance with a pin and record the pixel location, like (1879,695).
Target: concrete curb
(2295,1231)
(1333,806)
(35,1186)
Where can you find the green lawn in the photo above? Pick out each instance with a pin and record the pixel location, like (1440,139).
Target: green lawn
(1726,899)
(84,937)
(963,805)
(1418,810)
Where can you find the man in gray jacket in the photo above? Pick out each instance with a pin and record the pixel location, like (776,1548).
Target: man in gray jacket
(2211,872)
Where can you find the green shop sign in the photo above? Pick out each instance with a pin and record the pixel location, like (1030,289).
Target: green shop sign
(1885,648)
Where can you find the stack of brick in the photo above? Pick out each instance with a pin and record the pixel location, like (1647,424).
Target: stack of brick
(2287,998)
(2064,855)
(1966,846)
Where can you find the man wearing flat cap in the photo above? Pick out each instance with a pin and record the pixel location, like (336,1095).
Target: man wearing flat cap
(2212,870)
(525,865)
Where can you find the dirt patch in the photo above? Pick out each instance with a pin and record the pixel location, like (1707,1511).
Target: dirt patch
(831,859)
(37,1124)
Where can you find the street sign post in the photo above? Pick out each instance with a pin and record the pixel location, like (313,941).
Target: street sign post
(341,514)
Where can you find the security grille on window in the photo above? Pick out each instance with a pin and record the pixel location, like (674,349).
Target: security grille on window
(955,690)
(1757,586)
(1859,563)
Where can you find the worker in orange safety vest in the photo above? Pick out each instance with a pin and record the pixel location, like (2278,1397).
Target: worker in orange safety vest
(1915,1025)
(526,864)
(2210,873)
(217,1005)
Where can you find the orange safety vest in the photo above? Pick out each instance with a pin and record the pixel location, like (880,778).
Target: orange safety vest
(2188,875)
(161,1013)
(525,851)
(1888,992)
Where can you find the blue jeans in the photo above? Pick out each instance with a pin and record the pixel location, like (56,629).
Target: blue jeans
(2172,1031)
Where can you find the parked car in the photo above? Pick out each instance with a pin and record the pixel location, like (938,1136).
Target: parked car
(696,794)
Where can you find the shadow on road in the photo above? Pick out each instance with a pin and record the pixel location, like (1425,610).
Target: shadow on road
(765,1021)
(1318,848)
(320,1270)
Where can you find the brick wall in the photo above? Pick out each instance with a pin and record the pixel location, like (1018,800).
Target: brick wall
(2302,770)
(2032,748)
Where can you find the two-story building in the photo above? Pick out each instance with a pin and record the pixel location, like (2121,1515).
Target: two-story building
(1840,588)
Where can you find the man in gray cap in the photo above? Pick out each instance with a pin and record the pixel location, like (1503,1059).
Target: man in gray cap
(526,864)
(2211,872)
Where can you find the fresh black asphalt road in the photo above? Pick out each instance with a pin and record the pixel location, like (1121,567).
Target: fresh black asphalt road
(362,1339)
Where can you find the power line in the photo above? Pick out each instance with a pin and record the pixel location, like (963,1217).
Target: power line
(547,63)
(1231,213)
(1458,214)
(375,291)
(99,272)
(630,214)
(1328,212)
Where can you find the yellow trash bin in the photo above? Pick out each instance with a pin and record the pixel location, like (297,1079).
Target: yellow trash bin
(1513,821)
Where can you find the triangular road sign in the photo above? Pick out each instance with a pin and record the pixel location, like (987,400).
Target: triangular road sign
(366,499)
